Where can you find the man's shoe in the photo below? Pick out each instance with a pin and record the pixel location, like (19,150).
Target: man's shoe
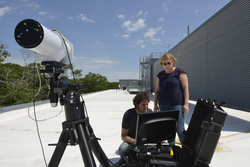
(120,162)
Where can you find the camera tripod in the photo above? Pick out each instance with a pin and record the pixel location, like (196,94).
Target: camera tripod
(76,128)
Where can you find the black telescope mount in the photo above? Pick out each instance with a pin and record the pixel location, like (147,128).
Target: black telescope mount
(76,130)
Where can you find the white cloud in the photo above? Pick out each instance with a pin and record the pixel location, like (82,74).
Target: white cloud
(197,11)
(140,24)
(139,13)
(164,6)
(125,36)
(151,32)
(126,23)
(98,43)
(42,13)
(163,31)
(120,16)
(140,42)
(161,19)
(89,61)
(136,26)
(70,18)
(33,5)
(84,18)
(52,17)
(116,35)
(103,61)
(156,41)
(22,12)
(4,10)
(173,39)
(146,13)
(29,4)
(143,46)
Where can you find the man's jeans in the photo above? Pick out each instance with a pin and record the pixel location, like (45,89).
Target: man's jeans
(122,148)
(180,126)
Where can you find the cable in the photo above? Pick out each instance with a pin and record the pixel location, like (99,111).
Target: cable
(37,128)
(190,155)
(182,145)
(39,79)
(34,96)
(41,120)
(71,66)
(48,87)
(85,108)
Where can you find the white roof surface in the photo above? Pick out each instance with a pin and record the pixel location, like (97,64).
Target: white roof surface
(20,146)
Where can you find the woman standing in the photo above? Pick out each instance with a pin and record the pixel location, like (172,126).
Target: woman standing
(172,91)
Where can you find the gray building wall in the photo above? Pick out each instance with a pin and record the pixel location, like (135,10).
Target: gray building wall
(216,57)
(146,76)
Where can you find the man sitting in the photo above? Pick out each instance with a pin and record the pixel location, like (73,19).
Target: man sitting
(129,121)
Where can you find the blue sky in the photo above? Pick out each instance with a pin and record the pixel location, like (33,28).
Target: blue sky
(108,36)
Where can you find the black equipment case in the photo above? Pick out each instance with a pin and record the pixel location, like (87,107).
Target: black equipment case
(203,132)
(200,140)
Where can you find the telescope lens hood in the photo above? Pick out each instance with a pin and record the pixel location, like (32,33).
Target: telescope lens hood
(29,33)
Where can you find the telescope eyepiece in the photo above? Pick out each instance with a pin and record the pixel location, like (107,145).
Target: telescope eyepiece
(29,33)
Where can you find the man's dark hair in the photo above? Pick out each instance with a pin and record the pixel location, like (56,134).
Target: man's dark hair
(140,97)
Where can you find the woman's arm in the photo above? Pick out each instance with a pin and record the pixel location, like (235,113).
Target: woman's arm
(156,97)
(184,83)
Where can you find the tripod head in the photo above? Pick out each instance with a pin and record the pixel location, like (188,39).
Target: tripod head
(58,86)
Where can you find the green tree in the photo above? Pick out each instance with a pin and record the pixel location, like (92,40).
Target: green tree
(3,53)
(78,74)
(18,82)
(14,84)
(67,71)
(112,85)
(95,82)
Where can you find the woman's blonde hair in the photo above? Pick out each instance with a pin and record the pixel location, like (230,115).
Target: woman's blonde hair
(168,56)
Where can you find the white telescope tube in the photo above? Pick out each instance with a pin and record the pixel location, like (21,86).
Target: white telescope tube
(47,45)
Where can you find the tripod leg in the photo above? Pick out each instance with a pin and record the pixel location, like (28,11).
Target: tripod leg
(97,149)
(59,150)
(84,146)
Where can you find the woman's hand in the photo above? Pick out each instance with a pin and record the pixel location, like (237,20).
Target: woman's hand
(185,109)
(156,108)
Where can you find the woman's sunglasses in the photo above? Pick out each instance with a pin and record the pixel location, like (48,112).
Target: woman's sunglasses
(167,63)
